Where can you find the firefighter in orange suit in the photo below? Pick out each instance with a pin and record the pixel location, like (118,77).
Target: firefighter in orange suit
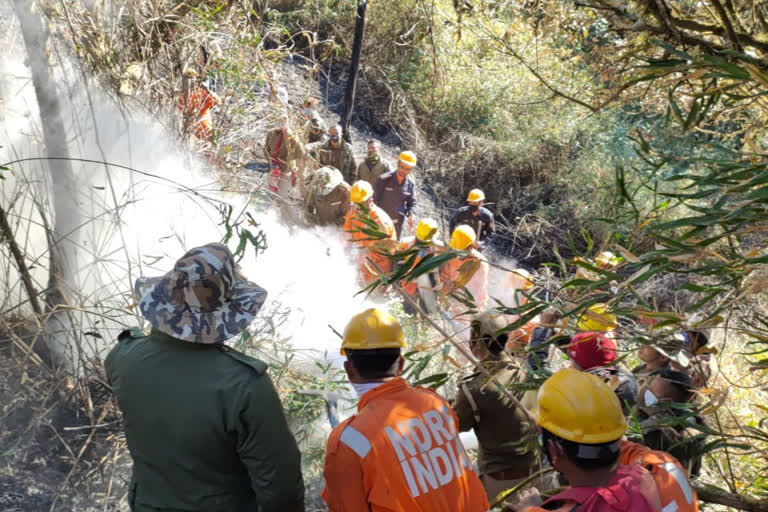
(582,427)
(672,481)
(196,104)
(361,204)
(425,288)
(470,271)
(401,451)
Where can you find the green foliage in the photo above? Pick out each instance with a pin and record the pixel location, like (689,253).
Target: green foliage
(243,235)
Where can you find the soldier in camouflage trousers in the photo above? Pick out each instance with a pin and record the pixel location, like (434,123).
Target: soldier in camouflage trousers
(203,422)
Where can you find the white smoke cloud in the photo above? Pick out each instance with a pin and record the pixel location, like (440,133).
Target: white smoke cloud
(138,219)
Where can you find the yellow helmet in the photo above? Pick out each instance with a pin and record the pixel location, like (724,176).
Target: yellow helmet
(373,328)
(190,73)
(360,191)
(462,237)
(597,318)
(408,158)
(426,230)
(475,195)
(580,407)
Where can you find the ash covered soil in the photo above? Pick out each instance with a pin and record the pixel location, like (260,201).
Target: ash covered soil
(50,456)
(329,89)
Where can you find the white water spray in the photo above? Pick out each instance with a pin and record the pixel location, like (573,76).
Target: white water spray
(138,219)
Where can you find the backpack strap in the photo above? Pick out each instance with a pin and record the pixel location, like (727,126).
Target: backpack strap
(472,403)
(277,149)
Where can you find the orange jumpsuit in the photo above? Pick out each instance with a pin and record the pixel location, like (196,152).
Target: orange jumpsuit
(478,281)
(400,452)
(675,489)
(520,337)
(370,248)
(412,287)
(196,108)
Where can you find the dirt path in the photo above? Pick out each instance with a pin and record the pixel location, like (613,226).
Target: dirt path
(329,88)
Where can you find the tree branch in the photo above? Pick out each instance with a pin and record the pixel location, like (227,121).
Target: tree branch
(687,24)
(728,25)
(720,31)
(736,501)
(556,92)
(7,233)
(36,349)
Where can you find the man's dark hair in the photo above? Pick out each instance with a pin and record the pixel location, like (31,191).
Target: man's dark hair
(375,363)
(588,457)
(680,381)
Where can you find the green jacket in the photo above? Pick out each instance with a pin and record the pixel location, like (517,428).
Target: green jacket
(328,210)
(502,429)
(371,172)
(204,426)
(341,158)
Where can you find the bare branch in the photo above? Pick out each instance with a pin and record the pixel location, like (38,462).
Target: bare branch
(731,500)
(728,25)
(7,233)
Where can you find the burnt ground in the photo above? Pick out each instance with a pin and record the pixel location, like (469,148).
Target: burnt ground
(51,458)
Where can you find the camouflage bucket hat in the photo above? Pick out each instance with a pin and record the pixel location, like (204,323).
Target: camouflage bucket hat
(204,299)
(327,179)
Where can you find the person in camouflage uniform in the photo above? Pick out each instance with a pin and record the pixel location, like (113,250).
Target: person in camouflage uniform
(315,129)
(336,153)
(374,165)
(203,422)
(502,429)
(665,425)
(327,199)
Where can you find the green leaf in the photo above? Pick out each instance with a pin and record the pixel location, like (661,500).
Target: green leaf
(692,116)
(433,381)
(430,263)
(671,49)
(675,109)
